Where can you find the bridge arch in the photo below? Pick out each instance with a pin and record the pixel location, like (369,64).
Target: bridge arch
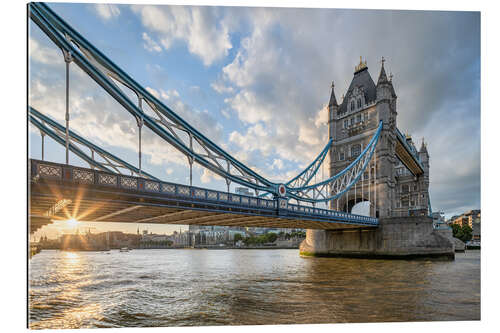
(347,202)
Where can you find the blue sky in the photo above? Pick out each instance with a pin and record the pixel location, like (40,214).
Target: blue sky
(256,81)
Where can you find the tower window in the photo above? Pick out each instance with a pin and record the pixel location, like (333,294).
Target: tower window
(355,150)
(358,118)
(352,121)
(341,156)
(359,102)
(352,105)
(346,123)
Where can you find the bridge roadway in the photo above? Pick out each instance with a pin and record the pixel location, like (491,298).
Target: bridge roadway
(61,192)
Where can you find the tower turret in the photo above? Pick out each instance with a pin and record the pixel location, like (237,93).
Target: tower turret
(424,155)
(386,111)
(332,111)
(384,95)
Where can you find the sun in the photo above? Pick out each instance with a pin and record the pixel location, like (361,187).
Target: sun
(71,223)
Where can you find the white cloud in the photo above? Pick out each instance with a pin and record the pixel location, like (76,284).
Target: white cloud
(198,27)
(107,11)
(225,113)
(277,164)
(202,120)
(221,88)
(256,138)
(43,54)
(207,176)
(249,108)
(149,44)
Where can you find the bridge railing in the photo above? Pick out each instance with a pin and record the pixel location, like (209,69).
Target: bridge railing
(67,173)
(83,176)
(331,213)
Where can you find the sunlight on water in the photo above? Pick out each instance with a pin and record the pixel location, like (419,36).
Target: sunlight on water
(242,287)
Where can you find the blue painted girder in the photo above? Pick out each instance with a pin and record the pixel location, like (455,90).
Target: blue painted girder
(56,28)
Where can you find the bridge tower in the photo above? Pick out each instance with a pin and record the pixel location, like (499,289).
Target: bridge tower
(396,181)
(352,125)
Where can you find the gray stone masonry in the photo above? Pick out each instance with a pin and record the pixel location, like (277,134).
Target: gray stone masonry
(395,238)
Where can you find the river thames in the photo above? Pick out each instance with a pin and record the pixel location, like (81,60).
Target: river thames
(244,287)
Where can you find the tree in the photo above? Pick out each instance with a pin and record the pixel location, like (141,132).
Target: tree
(271,237)
(467,233)
(238,237)
(456,228)
(464,233)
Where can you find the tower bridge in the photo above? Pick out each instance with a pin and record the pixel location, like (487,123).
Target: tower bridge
(366,152)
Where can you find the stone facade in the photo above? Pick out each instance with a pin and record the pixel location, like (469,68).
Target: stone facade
(387,184)
(398,197)
(395,238)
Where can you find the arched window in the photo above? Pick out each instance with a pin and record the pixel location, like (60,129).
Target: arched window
(359,102)
(352,105)
(355,150)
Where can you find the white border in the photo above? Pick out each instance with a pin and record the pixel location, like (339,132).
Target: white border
(13,157)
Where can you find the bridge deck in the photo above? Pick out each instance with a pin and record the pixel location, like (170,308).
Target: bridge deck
(59,191)
(407,155)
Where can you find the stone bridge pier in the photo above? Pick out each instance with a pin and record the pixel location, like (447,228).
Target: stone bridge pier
(395,238)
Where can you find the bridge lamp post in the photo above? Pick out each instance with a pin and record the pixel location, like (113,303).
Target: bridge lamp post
(43,144)
(228,181)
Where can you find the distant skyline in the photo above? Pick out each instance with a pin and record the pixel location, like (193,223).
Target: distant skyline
(256,81)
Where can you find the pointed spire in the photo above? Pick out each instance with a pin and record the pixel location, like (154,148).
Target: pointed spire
(423,147)
(333,100)
(360,66)
(382,77)
(393,92)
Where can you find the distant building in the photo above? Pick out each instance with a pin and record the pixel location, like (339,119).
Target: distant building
(438,220)
(476,227)
(98,241)
(182,239)
(476,232)
(469,218)
(243,191)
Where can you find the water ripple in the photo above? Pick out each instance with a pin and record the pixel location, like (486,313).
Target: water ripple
(146,288)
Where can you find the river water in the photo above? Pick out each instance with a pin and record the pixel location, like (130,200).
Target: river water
(244,287)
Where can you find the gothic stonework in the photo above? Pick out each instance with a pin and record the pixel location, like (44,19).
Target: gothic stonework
(398,197)
(394,191)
